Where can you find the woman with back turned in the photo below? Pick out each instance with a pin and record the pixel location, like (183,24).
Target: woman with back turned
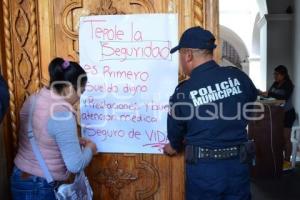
(55,131)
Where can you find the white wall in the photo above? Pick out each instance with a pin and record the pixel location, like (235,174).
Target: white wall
(260,75)
(239,16)
(237,20)
(279,43)
(234,39)
(296,73)
(256,37)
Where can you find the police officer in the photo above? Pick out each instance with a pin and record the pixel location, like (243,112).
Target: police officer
(208,117)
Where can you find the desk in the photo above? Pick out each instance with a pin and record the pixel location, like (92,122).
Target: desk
(267,134)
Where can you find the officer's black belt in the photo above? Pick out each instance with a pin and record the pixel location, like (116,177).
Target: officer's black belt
(218,153)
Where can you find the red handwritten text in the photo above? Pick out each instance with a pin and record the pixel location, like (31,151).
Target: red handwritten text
(103,104)
(125,74)
(122,51)
(95,116)
(111,33)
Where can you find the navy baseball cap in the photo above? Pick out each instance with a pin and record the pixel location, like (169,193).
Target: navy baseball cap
(196,38)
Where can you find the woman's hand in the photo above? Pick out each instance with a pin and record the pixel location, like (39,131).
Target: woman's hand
(88,143)
(264,94)
(261,93)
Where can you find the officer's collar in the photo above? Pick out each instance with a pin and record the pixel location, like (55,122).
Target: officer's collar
(203,67)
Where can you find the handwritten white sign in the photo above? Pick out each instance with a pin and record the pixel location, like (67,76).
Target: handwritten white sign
(131,75)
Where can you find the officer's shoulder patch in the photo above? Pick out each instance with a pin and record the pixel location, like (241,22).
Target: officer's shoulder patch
(241,72)
(180,84)
(232,67)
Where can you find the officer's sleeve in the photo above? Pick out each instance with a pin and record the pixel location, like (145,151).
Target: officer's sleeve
(4,100)
(175,125)
(1,113)
(252,90)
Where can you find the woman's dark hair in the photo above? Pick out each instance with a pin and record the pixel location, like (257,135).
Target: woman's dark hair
(281,69)
(61,71)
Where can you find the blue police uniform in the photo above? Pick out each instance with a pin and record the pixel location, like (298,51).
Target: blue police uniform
(207,113)
(4,100)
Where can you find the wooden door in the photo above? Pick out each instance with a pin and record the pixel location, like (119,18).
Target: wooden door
(36,31)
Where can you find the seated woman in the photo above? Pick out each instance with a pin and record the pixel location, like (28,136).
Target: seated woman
(55,131)
(282,89)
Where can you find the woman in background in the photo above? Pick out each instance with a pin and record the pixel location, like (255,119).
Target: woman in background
(55,131)
(282,89)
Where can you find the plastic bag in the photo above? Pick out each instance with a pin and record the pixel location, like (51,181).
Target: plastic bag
(80,189)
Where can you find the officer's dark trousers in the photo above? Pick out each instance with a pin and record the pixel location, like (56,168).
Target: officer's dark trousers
(217,180)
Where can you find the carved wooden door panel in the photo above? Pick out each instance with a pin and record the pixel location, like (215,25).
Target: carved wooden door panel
(36,31)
